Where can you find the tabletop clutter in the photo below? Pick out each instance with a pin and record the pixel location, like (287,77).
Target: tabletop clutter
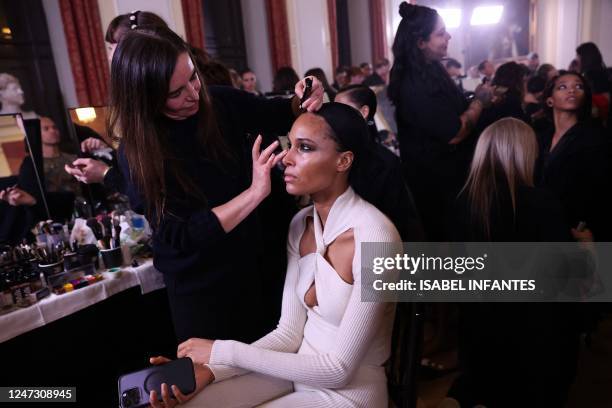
(66,257)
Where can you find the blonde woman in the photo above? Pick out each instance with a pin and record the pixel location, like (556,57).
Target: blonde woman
(512,354)
(499,200)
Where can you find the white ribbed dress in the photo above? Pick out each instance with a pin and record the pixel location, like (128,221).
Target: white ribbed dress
(330,355)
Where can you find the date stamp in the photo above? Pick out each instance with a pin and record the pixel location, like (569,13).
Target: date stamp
(37,394)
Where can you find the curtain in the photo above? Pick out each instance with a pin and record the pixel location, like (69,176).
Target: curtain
(333,31)
(377,20)
(86,50)
(280,49)
(194,22)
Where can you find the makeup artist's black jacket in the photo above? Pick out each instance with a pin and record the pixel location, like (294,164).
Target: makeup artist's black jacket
(579,170)
(428,117)
(215,280)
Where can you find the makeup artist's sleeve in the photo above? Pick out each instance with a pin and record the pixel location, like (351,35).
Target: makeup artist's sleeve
(113,180)
(130,190)
(429,110)
(257,114)
(181,229)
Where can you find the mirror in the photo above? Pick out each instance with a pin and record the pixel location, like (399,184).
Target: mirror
(21,177)
(90,123)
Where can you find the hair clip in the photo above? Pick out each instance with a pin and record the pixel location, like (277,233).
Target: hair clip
(133,17)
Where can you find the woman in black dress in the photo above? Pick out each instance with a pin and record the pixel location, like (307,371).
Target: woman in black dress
(433,118)
(574,160)
(512,354)
(184,150)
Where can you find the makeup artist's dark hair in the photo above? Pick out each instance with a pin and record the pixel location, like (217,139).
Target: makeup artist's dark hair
(350,132)
(418,22)
(584,112)
(142,66)
(362,95)
(124,23)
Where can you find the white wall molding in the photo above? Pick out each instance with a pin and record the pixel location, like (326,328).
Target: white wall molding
(309,36)
(257,42)
(60,52)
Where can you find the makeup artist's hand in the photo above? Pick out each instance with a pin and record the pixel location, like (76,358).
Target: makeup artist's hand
(91,143)
(16,197)
(88,171)
(262,164)
(315,101)
(203,377)
(196,349)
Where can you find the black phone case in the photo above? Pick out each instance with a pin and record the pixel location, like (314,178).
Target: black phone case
(134,388)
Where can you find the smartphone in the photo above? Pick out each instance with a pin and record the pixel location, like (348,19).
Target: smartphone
(134,388)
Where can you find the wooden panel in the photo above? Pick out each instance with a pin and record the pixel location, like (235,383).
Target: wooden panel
(224,33)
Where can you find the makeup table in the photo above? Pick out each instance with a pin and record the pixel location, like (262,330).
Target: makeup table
(55,307)
(89,337)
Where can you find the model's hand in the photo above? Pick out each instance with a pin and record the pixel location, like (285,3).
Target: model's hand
(315,101)
(16,197)
(262,164)
(196,349)
(91,143)
(88,170)
(203,377)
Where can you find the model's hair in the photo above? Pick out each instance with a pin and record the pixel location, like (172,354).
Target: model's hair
(141,69)
(584,111)
(512,76)
(285,80)
(349,130)
(418,22)
(504,159)
(590,57)
(124,23)
(362,95)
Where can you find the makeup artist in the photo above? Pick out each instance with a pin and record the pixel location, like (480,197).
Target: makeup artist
(190,169)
